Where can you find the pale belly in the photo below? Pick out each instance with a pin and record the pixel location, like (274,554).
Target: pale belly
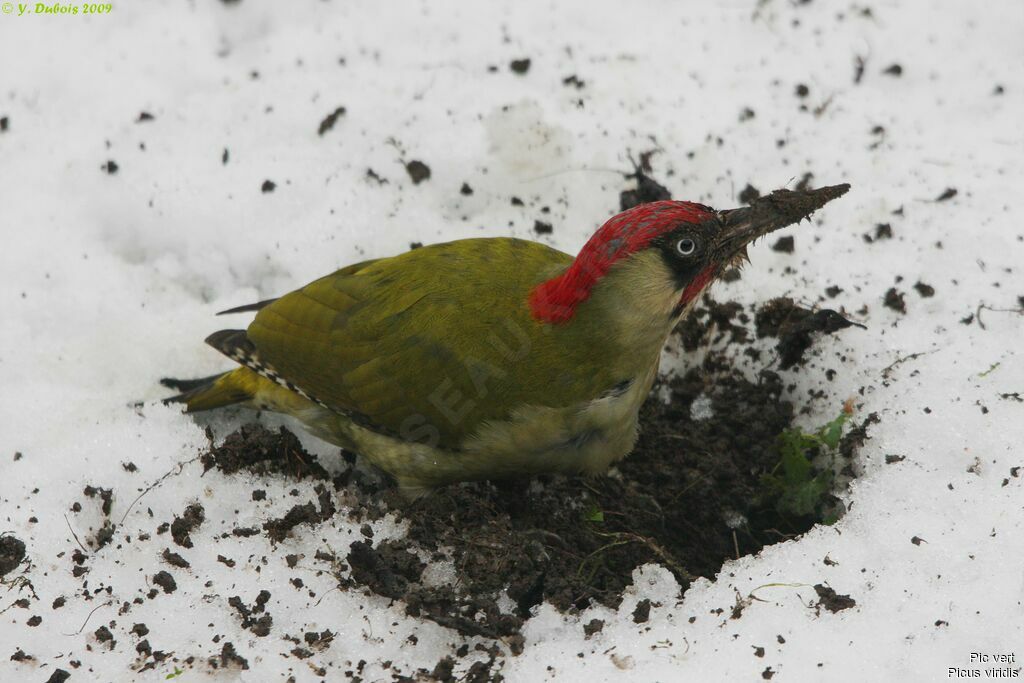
(582,439)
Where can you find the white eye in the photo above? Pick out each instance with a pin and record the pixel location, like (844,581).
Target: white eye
(686,246)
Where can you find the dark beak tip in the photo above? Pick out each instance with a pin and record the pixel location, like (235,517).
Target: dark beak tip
(774,211)
(830,192)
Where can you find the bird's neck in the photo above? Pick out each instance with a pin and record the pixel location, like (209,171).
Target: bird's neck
(633,307)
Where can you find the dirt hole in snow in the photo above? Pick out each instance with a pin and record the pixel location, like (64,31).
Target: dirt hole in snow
(691,496)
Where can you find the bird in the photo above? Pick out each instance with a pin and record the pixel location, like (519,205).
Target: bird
(489,358)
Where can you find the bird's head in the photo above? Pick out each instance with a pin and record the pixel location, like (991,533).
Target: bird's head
(661,256)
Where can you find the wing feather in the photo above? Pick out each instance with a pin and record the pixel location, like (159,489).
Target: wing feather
(413,336)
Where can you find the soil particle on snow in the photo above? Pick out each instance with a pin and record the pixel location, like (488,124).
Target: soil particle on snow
(418,171)
(190,519)
(647,188)
(593,626)
(795,327)
(58,676)
(574,81)
(306,513)
(542,228)
(165,581)
(832,601)
(103,635)
(784,244)
(329,121)
(256,449)
(105,495)
(174,559)
(894,300)
(519,66)
(642,612)
(228,658)
(259,625)
(268,186)
(12,552)
(926,291)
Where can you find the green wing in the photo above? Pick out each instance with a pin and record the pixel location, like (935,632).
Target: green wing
(440,337)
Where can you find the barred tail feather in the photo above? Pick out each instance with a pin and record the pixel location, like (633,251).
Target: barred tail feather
(236,386)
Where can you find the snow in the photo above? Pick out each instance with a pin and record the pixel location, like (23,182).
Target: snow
(110,281)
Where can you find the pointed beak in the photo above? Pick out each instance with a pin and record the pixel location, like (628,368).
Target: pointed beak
(767,214)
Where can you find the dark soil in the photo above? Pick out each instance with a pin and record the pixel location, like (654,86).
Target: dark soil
(784,244)
(165,581)
(894,300)
(254,618)
(689,497)
(12,552)
(795,327)
(182,526)
(926,291)
(329,121)
(647,188)
(256,450)
(520,66)
(832,601)
(418,171)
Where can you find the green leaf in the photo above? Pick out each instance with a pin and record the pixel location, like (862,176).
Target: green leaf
(831,433)
(798,487)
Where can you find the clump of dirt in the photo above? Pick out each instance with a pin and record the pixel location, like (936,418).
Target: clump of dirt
(260,625)
(894,300)
(725,320)
(794,326)
(307,513)
(832,601)
(690,496)
(257,449)
(181,527)
(12,552)
(329,121)
(647,188)
(418,171)
(106,496)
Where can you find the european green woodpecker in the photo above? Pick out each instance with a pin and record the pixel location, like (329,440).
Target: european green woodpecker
(495,357)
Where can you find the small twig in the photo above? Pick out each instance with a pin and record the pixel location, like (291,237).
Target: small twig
(88,617)
(989,371)
(903,359)
(317,604)
(84,549)
(986,307)
(180,466)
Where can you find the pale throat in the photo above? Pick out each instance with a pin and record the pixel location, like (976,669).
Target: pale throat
(640,301)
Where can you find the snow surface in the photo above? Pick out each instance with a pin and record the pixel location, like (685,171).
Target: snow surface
(109,281)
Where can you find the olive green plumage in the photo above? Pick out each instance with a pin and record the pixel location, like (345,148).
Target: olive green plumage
(438,347)
(436,336)
(485,358)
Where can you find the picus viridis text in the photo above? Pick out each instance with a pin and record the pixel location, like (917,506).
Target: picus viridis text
(494,357)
